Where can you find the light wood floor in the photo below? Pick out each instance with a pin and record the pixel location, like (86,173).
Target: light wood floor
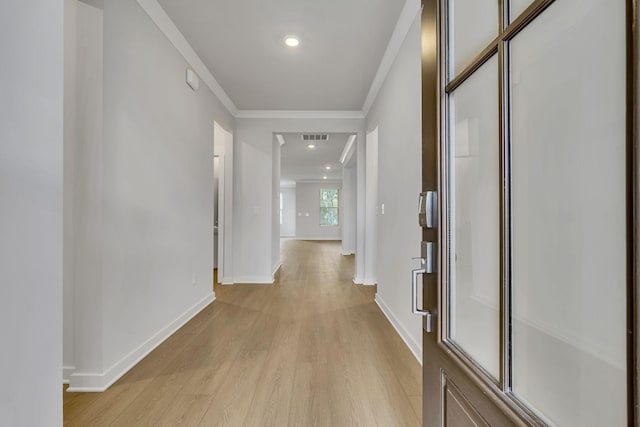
(311,350)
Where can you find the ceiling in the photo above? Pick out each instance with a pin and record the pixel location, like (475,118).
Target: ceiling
(299,163)
(241,43)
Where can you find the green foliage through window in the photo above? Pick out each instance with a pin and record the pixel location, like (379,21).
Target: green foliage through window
(329,203)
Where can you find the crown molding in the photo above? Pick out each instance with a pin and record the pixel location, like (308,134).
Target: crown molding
(99,4)
(157,14)
(318,181)
(169,29)
(348,151)
(298,114)
(409,11)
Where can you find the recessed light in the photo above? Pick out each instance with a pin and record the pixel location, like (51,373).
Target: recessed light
(312,146)
(291,41)
(328,168)
(324,177)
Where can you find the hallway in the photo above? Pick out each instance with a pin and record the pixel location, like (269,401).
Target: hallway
(311,350)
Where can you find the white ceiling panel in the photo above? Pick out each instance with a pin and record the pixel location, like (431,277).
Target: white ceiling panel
(241,41)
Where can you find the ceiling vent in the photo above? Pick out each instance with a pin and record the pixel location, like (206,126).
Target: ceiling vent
(315,137)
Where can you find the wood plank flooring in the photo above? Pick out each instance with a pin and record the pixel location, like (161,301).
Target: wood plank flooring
(311,350)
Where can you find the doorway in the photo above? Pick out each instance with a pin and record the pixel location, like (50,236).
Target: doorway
(218,208)
(222,205)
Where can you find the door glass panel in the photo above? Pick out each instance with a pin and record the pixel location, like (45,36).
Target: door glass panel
(517,7)
(473,25)
(474,192)
(568,213)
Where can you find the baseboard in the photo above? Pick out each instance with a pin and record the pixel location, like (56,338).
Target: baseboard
(66,373)
(414,347)
(332,239)
(345,253)
(357,280)
(275,270)
(253,280)
(226,281)
(97,382)
(370,282)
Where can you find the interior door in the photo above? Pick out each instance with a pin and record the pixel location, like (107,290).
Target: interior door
(528,213)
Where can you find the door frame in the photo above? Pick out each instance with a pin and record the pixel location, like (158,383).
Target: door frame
(435,120)
(633,212)
(220,214)
(223,148)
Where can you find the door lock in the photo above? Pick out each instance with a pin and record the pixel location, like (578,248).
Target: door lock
(427,262)
(428,209)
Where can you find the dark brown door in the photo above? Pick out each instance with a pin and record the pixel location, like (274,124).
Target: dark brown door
(529,224)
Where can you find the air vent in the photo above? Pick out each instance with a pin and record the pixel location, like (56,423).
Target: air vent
(315,137)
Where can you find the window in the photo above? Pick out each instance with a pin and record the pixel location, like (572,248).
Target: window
(329,207)
(281,209)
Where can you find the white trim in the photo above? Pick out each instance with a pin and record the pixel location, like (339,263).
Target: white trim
(97,382)
(348,150)
(253,280)
(319,181)
(333,239)
(357,280)
(298,114)
(98,4)
(220,243)
(409,11)
(275,270)
(348,253)
(280,139)
(369,282)
(414,346)
(173,34)
(226,281)
(66,373)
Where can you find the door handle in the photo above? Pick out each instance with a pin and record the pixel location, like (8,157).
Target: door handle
(428,266)
(415,306)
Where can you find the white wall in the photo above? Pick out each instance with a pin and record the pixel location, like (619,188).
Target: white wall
(253,184)
(371,210)
(288,227)
(216,207)
(83,191)
(70,152)
(361,176)
(31,212)
(349,197)
(397,114)
(308,202)
(154,221)
(275,206)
